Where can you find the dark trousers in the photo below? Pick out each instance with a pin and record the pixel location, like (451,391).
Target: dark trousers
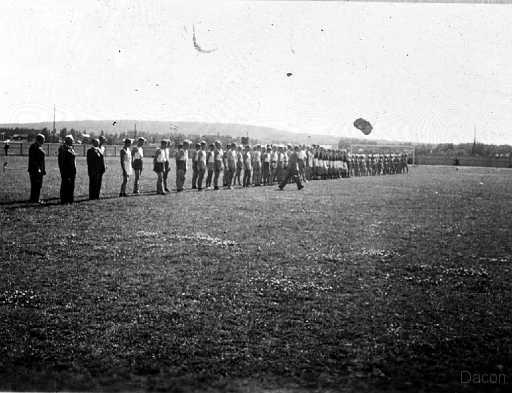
(291,175)
(256,175)
(94,186)
(217,171)
(200,177)
(209,177)
(275,172)
(229,173)
(247,177)
(266,173)
(238,176)
(195,174)
(67,190)
(36,182)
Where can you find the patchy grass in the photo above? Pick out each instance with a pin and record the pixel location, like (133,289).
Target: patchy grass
(363,284)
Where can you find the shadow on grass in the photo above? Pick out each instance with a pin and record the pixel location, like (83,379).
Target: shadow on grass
(19,204)
(56,201)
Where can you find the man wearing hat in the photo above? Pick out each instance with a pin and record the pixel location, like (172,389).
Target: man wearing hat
(36,168)
(274,157)
(101,146)
(181,164)
(231,166)
(218,156)
(225,164)
(126,165)
(247,161)
(256,165)
(201,165)
(67,167)
(239,166)
(167,163)
(195,172)
(210,164)
(159,161)
(95,169)
(137,163)
(266,156)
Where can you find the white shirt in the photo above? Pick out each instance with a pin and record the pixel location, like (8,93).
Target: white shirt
(161,156)
(127,161)
(138,153)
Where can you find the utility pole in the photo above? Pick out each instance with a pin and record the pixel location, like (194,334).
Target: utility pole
(473,150)
(54,131)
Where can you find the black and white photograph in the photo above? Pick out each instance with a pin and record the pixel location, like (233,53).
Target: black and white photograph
(255,196)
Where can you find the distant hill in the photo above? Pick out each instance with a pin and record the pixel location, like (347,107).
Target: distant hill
(262,134)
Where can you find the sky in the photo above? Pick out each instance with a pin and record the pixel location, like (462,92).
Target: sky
(418,72)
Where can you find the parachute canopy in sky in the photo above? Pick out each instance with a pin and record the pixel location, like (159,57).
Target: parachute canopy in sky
(363,125)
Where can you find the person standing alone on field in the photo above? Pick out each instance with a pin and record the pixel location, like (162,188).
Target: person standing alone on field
(126,165)
(292,171)
(95,169)
(36,168)
(137,164)
(6,148)
(67,167)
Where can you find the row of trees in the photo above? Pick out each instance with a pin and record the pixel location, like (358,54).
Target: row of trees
(29,134)
(464,149)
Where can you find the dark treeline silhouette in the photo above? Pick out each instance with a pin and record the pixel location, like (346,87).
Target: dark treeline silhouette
(29,134)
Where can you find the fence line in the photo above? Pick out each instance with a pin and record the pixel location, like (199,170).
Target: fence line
(51,149)
(465,161)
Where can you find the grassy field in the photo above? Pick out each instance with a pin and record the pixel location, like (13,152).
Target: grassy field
(363,284)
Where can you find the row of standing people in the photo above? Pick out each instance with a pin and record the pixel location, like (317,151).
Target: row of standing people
(237,165)
(66,159)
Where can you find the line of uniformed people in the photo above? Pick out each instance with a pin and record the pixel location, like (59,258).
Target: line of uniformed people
(261,165)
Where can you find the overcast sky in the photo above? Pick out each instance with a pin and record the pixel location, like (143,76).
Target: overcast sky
(418,72)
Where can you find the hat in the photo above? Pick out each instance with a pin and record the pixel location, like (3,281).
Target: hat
(141,139)
(40,137)
(69,138)
(127,140)
(203,143)
(198,145)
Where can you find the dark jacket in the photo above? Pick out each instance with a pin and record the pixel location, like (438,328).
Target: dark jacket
(66,160)
(36,160)
(95,162)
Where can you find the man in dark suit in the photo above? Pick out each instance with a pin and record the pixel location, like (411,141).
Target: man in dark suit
(95,168)
(67,169)
(36,168)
